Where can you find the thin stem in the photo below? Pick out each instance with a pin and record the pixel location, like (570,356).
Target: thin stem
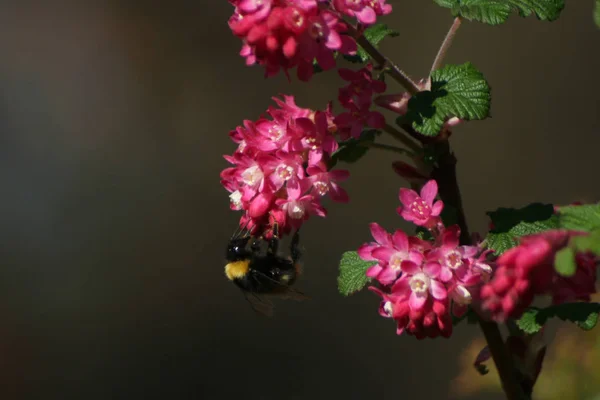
(408,142)
(390,148)
(400,76)
(445,175)
(441,54)
(503,360)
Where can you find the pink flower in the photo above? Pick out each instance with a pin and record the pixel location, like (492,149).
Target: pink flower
(299,207)
(352,122)
(365,11)
(324,182)
(287,34)
(316,137)
(391,256)
(279,172)
(361,88)
(382,238)
(528,270)
(422,283)
(420,209)
(357,99)
(431,320)
(419,282)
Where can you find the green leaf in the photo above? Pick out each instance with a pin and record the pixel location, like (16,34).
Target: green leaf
(510,224)
(353,150)
(352,276)
(587,243)
(580,218)
(374,34)
(584,315)
(494,12)
(564,262)
(597,13)
(456,91)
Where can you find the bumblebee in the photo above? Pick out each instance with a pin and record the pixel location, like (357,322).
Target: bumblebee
(261,275)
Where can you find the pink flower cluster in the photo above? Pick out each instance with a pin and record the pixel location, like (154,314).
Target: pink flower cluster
(357,97)
(423,283)
(528,270)
(283,34)
(280,168)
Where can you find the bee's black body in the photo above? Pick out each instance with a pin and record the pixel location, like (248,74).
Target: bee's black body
(257,273)
(267,274)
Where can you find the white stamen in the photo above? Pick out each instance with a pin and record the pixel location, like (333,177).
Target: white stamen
(396,261)
(296,210)
(454,259)
(236,199)
(252,175)
(419,283)
(388,307)
(321,187)
(285,172)
(461,295)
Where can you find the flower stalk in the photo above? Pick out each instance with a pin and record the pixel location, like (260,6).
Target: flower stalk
(395,72)
(441,54)
(449,191)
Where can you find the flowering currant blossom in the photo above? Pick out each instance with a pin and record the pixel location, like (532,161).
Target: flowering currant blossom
(422,283)
(283,34)
(420,208)
(279,173)
(356,97)
(528,270)
(365,11)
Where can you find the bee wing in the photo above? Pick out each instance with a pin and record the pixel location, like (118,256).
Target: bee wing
(292,294)
(260,305)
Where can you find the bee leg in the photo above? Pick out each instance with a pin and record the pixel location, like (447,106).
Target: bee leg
(274,241)
(255,246)
(295,246)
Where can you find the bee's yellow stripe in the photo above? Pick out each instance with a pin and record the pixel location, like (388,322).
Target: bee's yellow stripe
(237,269)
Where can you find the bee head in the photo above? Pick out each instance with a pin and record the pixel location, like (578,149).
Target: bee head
(236,249)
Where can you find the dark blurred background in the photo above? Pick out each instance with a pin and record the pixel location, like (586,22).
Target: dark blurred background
(113,121)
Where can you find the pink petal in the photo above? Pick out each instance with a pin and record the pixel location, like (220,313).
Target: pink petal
(401,287)
(438,290)
(373,271)
(450,237)
(294,189)
(407,196)
(333,41)
(379,234)
(432,269)
(338,194)
(260,205)
(387,276)
(325,59)
(365,251)
(445,274)
(416,302)
(429,191)
(437,208)
(415,256)
(400,240)
(375,120)
(339,175)
(383,253)
(366,16)
(410,267)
